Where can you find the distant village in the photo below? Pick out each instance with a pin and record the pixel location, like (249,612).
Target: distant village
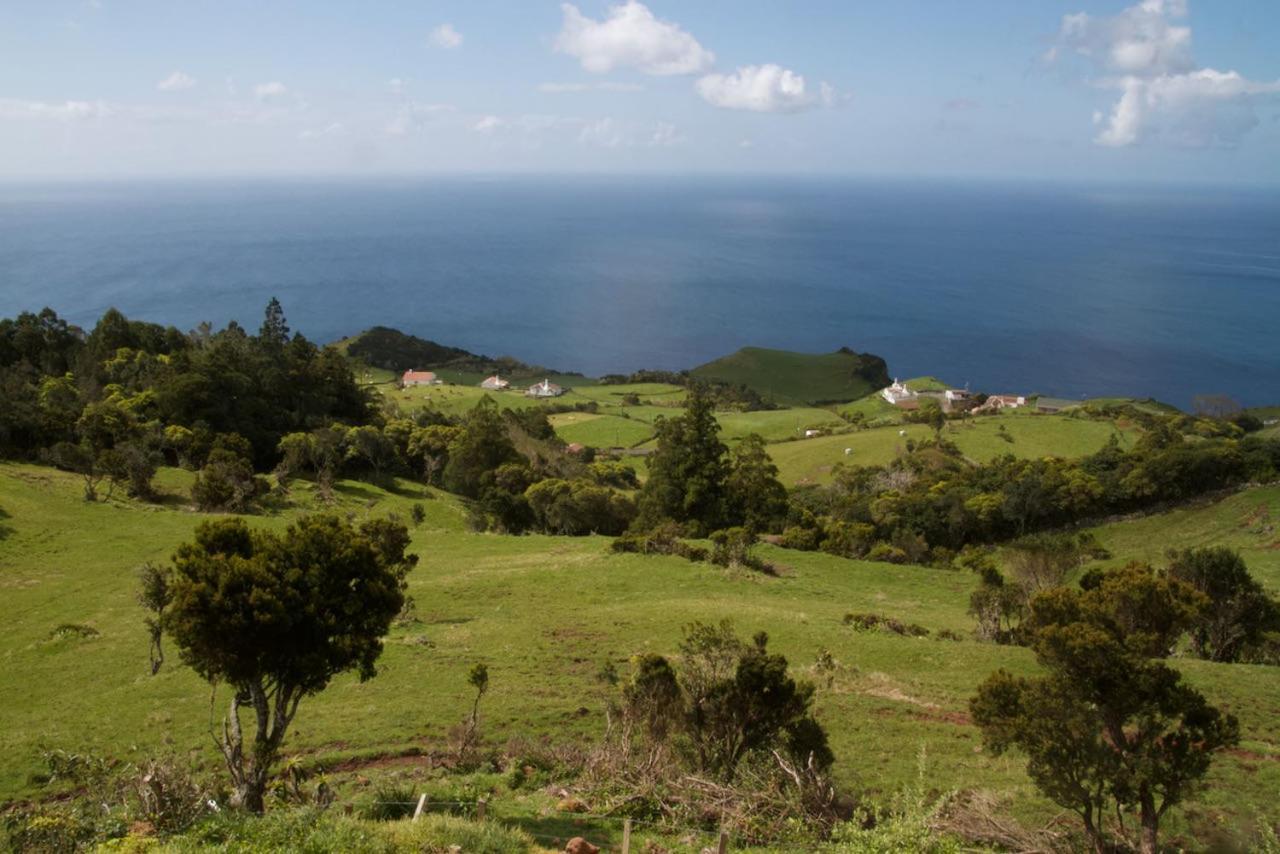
(961,400)
(899,394)
(546,388)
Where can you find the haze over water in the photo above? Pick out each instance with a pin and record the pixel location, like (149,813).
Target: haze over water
(1064,291)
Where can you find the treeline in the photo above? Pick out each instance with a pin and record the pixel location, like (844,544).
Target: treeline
(931,502)
(105,401)
(393,350)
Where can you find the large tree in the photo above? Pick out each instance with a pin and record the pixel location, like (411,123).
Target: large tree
(1108,723)
(275,617)
(688,470)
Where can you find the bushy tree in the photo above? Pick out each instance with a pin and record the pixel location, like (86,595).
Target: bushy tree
(756,498)
(480,446)
(1108,723)
(226,483)
(275,617)
(1239,612)
(687,471)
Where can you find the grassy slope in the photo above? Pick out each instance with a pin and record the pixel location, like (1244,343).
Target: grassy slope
(1248,521)
(811,460)
(792,378)
(543,612)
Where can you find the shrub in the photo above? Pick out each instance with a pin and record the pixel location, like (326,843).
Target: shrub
(227,483)
(801,539)
(887,553)
(390,801)
(871,622)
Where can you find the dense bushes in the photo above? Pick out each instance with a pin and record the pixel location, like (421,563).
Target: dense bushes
(931,497)
(126,381)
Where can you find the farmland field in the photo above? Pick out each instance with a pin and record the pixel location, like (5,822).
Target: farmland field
(544,613)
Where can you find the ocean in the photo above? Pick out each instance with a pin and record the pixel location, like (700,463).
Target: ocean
(1060,290)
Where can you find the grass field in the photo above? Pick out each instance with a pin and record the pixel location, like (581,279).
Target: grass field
(1028,436)
(795,378)
(601,431)
(1248,521)
(544,613)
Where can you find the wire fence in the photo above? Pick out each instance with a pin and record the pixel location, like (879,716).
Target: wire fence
(698,839)
(482,810)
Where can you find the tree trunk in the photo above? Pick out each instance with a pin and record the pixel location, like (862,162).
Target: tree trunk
(1150,823)
(1096,840)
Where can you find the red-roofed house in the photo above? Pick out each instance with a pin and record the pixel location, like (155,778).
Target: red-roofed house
(412,378)
(494,383)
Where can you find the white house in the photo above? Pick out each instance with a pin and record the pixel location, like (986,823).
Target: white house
(412,378)
(494,383)
(897,392)
(956,394)
(544,389)
(1004,401)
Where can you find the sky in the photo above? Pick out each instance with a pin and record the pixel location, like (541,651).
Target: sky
(1076,90)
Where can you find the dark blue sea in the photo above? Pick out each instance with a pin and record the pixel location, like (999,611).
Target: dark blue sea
(1068,291)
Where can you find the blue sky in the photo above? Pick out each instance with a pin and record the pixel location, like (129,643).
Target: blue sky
(1149,90)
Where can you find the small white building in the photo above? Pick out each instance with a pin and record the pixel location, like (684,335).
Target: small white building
(494,383)
(413,378)
(544,389)
(954,395)
(1004,401)
(809,434)
(897,393)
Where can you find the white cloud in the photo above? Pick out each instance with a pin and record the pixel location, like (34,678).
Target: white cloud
(762,88)
(66,111)
(630,37)
(445,36)
(335,129)
(269,91)
(665,134)
(602,132)
(488,124)
(412,116)
(395,86)
(176,82)
(1164,94)
(599,86)
(1142,40)
(1200,108)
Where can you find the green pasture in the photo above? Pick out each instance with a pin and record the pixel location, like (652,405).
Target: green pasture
(544,613)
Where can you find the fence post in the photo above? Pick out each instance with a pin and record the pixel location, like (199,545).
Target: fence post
(723,847)
(480,809)
(626,836)
(422,802)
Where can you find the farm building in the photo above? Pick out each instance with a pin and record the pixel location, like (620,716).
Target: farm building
(544,389)
(413,378)
(494,383)
(897,393)
(1003,401)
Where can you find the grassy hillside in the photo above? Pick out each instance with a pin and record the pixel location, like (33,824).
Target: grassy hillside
(800,378)
(544,613)
(1248,521)
(1022,434)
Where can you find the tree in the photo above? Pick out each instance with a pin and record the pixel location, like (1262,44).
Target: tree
(1108,723)
(739,698)
(478,449)
(1240,612)
(688,470)
(756,499)
(274,331)
(275,617)
(226,483)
